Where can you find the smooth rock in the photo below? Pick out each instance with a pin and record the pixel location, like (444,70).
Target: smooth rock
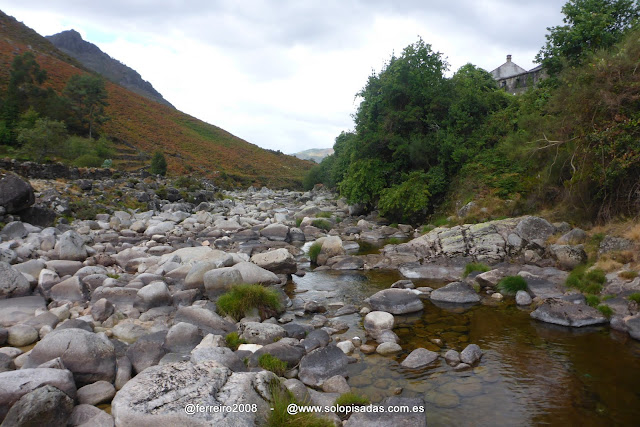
(457,293)
(567,313)
(419,358)
(96,393)
(396,301)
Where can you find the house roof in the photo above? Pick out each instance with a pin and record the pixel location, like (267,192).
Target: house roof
(507,69)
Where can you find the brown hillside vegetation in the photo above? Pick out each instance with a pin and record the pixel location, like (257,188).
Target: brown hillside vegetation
(191,145)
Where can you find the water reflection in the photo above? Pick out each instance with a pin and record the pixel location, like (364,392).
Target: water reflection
(531,372)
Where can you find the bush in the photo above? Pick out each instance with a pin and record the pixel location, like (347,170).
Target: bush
(512,284)
(273,364)
(605,310)
(298,221)
(350,399)
(243,298)
(322,224)
(586,281)
(279,417)
(233,341)
(407,201)
(635,297)
(158,164)
(88,161)
(593,300)
(475,266)
(324,214)
(314,251)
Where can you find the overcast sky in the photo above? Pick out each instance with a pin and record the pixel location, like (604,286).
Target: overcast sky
(283,74)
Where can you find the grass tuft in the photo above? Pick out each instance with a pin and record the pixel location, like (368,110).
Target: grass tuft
(324,214)
(628,275)
(243,298)
(635,297)
(273,364)
(510,285)
(314,251)
(593,300)
(350,399)
(279,417)
(605,310)
(589,282)
(233,341)
(475,266)
(322,224)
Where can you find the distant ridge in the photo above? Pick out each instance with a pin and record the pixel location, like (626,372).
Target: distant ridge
(315,154)
(90,55)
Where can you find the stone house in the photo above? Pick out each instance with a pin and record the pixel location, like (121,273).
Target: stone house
(515,79)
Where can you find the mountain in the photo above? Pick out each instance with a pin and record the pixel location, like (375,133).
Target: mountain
(90,55)
(140,126)
(315,154)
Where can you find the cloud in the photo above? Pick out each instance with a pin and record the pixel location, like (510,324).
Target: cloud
(284,74)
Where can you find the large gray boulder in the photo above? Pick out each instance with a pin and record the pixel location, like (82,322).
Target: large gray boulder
(331,246)
(155,294)
(220,280)
(159,395)
(14,230)
(279,261)
(567,256)
(633,326)
(15,193)
(534,228)
(471,354)
(73,289)
(12,282)
(208,321)
(419,358)
(292,354)
(147,351)
(16,384)
(221,355)
(44,406)
(276,232)
(16,310)
(253,274)
(566,313)
(396,301)
(261,333)
(322,364)
(85,415)
(182,338)
(91,357)
(214,259)
(71,247)
(417,417)
(457,293)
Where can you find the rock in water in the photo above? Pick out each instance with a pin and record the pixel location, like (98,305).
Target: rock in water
(456,292)
(396,301)
(419,358)
(159,395)
(566,313)
(322,364)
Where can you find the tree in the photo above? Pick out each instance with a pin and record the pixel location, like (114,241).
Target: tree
(44,138)
(158,164)
(88,97)
(589,25)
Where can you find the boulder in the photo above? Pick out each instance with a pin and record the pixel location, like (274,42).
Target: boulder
(534,228)
(21,335)
(632,324)
(317,338)
(336,384)
(388,348)
(16,194)
(182,338)
(161,228)
(573,237)
(471,354)
(322,364)
(16,310)
(419,358)
(14,230)
(457,293)
(252,274)
(44,406)
(568,257)
(89,416)
(276,232)
(208,321)
(73,289)
(490,278)
(91,357)
(159,395)
(292,354)
(452,357)
(566,313)
(147,351)
(377,321)
(523,298)
(96,393)
(222,355)
(392,418)
(396,301)
(331,246)
(71,247)
(261,333)
(16,384)
(12,282)
(155,294)
(220,280)
(279,261)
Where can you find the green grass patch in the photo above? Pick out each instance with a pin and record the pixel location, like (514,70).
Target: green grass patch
(243,298)
(394,241)
(635,297)
(350,399)
(314,251)
(589,282)
(475,266)
(593,300)
(298,221)
(324,214)
(441,222)
(322,224)
(426,228)
(512,284)
(605,310)
(608,297)
(279,417)
(628,275)
(233,341)
(273,364)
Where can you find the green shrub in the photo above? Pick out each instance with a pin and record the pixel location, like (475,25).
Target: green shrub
(298,221)
(635,297)
(512,284)
(243,298)
(393,241)
(589,282)
(188,183)
(350,399)
(314,251)
(605,310)
(162,192)
(279,417)
(88,161)
(233,340)
(324,214)
(322,224)
(475,266)
(593,300)
(273,364)
(158,164)
(408,200)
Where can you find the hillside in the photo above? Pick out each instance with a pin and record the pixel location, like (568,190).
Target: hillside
(90,55)
(140,126)
(314,154)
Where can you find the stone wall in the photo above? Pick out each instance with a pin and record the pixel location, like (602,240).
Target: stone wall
(520,83)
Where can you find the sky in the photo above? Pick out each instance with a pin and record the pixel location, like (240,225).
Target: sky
(284,74)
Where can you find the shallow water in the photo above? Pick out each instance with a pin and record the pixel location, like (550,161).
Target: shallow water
(531,372)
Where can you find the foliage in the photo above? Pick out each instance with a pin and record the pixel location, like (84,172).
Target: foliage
(605,310)
(475,266)
(350,399)
(635,297)
(322,224)
(589,25)
(233,340)
(272,363)
(592,300)
(244,298)
(281,398)
(158,164)
(586,281)
(88,98)
(406,201)
(44,139)
(510,285)
(189,183)
(314,251)
(324,214)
